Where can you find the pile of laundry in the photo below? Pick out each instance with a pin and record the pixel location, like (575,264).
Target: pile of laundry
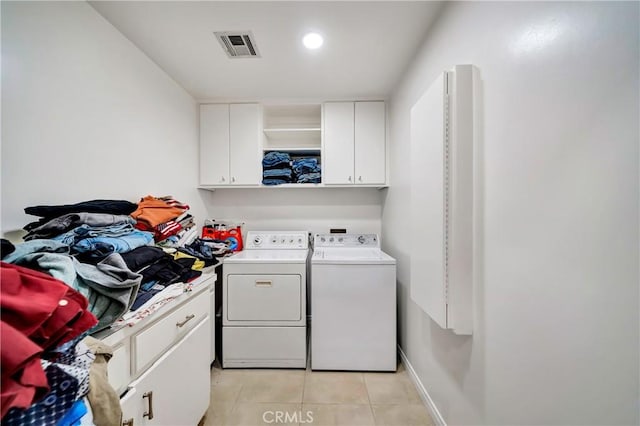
(82,268)
(47,362)
(116,253)
(279,168)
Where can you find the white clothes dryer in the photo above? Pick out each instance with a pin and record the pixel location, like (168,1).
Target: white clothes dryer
(353,304)
(264,321)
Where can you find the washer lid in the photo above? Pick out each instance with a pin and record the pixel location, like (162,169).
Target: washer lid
(350,256)
(268,256)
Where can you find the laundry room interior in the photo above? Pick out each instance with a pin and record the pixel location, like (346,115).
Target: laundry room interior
(320,212)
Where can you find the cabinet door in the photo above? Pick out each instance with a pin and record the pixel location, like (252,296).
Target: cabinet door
(337,161)
(131,408)
(214,144)
(370,155)
(176,387)
(245,144)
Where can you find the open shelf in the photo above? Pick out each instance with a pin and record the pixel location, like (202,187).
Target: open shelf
(290,127)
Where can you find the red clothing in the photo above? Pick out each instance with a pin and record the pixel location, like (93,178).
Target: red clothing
(23,379)
(39,312)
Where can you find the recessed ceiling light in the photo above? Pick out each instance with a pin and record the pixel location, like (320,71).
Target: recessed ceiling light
(312,40)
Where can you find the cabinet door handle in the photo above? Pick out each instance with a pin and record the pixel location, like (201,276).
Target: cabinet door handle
(128,422)
(264,283)
(349,178)
(222,180)
(186,320)
(233,179)
(360,178)
(150,412)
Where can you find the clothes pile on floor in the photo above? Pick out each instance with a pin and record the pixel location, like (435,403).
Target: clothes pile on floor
(280,167)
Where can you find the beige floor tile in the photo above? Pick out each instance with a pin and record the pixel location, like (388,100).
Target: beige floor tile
(218,414)
(334,387)
(402,415)
(338,414)
(250,414)
(391,388)
(226,387)
(272,386)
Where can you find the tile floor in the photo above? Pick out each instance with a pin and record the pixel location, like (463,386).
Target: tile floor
(314,398)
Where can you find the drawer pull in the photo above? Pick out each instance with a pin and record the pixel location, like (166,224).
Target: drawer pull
(128,422)
(186,320)
(264,283)
(150,412)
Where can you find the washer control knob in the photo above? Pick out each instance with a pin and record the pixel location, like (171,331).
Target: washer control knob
(257,240)
(340,239)
(361,239)
(323,239)
(331,239)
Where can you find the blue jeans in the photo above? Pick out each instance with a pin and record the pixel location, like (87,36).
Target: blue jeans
(103,246)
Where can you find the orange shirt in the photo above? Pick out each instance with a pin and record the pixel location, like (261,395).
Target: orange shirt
(153,211)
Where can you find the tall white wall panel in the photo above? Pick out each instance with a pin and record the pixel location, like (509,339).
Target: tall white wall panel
(442,200)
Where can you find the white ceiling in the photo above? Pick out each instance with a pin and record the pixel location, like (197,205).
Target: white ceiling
(367,45)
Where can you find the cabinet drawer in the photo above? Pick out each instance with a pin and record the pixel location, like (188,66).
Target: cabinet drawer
(153,341)
(264,347)
(264,297)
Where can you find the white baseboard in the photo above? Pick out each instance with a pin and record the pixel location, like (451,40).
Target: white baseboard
(426,398)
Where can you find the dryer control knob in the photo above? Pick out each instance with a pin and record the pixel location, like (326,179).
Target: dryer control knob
(257,240)
(361,239)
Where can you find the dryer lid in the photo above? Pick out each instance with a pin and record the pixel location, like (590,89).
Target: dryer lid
(268,256)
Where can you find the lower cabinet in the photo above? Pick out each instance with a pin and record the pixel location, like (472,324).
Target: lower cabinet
(173,391)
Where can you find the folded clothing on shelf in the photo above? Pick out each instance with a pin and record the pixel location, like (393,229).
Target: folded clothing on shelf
(276,159)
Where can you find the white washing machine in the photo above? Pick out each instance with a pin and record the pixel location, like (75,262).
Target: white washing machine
(353,304)
(264,288)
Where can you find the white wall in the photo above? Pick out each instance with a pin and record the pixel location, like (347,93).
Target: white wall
(556,307)
(86,115)
(308,209)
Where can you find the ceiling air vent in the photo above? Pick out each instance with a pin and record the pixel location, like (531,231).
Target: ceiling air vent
(238,44)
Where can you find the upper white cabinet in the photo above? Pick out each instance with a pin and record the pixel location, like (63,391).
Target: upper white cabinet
(230,144)
(354,143)
(214,144)
(369,135)
(338,143)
